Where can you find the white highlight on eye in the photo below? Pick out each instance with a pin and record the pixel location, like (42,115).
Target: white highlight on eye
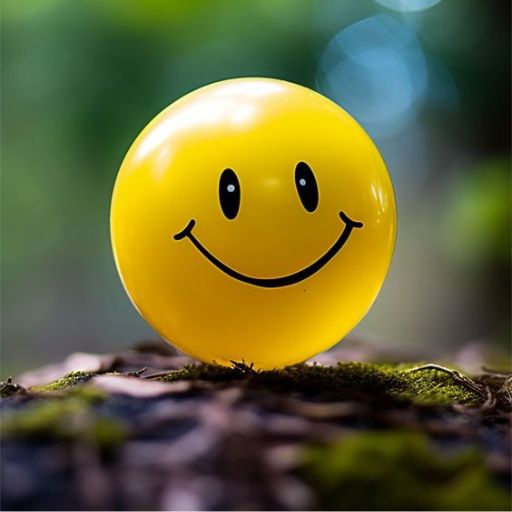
(231,188)
(302,182)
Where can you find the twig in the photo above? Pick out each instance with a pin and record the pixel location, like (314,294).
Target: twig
(157,374)
(137,373)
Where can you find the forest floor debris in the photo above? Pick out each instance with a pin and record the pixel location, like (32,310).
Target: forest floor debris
(151,429)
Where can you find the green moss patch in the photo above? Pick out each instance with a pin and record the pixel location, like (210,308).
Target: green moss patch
(66,418)
(397,382)
(399,470)
(207,372)
(68,380)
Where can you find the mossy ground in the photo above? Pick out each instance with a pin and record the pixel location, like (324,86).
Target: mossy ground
(400,470)
(70,379)
(397,382)
(433,387)
(68,417)
(364,436)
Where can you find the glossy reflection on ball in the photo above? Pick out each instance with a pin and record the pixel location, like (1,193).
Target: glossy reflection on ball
(253,220)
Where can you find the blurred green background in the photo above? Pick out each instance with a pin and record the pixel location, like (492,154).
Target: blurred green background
(428,79)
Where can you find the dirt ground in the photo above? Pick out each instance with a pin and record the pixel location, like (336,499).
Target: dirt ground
(149,429)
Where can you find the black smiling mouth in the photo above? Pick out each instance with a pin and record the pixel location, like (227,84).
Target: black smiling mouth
(274,282)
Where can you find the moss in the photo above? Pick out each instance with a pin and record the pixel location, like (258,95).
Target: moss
(342,378)
(396,382)
(68,380)
(208,372)
(399,471)
(67,418)
(432,387)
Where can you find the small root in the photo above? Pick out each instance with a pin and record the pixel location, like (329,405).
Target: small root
(136,373)
(157,374)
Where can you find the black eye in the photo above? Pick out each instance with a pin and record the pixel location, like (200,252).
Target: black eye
(229,193)
(306,186)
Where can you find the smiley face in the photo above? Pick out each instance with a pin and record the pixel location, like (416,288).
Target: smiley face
(253,220)
(229,192)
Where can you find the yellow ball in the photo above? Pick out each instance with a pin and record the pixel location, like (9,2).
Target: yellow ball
(253,220)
